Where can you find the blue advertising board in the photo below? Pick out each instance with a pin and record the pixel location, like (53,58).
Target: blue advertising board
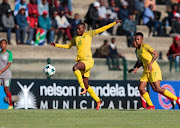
(161,102)
(3,104)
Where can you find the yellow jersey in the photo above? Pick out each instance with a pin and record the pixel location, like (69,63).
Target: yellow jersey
(83,43)
(144,53)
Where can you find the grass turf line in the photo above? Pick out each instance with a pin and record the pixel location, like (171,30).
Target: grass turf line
(103,118)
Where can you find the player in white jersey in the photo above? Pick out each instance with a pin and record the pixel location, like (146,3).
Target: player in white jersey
(5,72)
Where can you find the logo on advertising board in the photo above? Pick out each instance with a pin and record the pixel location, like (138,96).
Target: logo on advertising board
(163,101)
(27,99)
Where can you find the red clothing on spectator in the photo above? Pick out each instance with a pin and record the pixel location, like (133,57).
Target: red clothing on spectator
(32,7)
(32,21)
(173,49)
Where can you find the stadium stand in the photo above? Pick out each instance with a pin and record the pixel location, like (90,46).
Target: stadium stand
(39,54)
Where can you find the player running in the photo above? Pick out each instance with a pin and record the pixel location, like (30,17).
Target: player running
(84,56)
(5,73)
(152,73)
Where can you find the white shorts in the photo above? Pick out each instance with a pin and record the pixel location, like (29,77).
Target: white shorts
(5,82)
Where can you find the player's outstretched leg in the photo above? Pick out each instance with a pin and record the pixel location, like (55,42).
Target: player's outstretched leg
(80,66)
(145,94)
(166,92)
(8,93)
(173,102)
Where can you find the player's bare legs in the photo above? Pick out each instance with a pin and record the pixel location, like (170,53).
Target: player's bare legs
(85,80)
(142,86)
(173,102)
(77,71)
(91,92)
(166,92)
(145,94)
(8,94)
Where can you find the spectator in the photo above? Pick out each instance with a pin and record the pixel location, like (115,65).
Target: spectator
(113,6)
(54,2)
(176,24)
(8,24)
(175,9)
(123,12)
(147,3)
(102,13)
(65,7)
(43,6)
(106,4)
(74,22)
(114,55)
(4,6)
(52,8)
(174,48)
(19,5)
(33,25)
(63,25)
(32,6)
(104,50)
(21,25)
(117,2)
(129,26)
(149,20)
(139,6)
(44,23)
(92,17)
(54,27)
(131,6)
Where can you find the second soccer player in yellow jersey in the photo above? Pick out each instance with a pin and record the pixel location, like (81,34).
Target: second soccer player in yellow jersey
(152,72)
(84,56)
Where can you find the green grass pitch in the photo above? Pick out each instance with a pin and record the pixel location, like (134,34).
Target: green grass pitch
(103,118)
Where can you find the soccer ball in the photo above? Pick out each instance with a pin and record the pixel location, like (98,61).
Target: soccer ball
(49,70)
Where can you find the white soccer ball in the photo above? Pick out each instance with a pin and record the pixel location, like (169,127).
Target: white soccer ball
(49,70)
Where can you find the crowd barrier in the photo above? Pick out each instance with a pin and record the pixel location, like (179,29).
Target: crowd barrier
(65,94)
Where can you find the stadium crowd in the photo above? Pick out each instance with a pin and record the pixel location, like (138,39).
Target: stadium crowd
(41,20)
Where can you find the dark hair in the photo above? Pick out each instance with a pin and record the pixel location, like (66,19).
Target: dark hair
(3,40)
(131,14)
(76,14)
(82,24)
(113,38)
(105,41)
(139,34)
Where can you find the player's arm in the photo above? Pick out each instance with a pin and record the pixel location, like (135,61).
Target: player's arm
(67,46)
(5,68)
(174,55)
(136,66)
(155,56)
(102,29)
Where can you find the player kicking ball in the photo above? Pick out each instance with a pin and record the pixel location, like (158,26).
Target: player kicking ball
(5,72)
(84,56)
(152,73)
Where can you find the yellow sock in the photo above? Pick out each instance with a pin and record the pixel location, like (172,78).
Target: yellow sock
(169,94)
(147,98)
(93,94)
(79,77)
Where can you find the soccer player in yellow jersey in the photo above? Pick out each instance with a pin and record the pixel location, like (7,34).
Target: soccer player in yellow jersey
(84,56)
(152,72)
